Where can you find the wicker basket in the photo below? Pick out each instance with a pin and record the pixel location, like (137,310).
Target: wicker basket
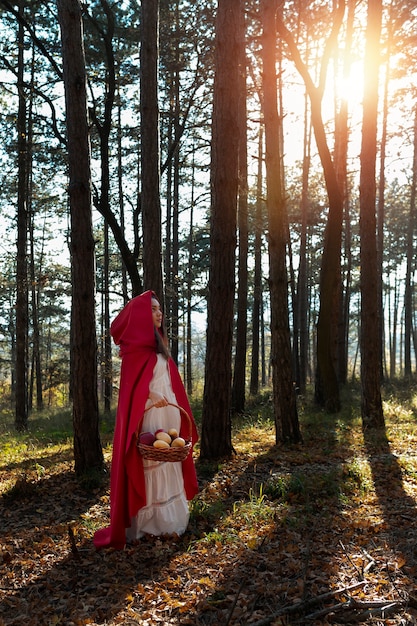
(167,454)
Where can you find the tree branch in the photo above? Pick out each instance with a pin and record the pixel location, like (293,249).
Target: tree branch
(34,37)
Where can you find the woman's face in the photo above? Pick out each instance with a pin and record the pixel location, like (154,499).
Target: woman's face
(156,313)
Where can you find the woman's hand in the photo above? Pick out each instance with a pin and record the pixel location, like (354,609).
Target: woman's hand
(157,399)
(162,402)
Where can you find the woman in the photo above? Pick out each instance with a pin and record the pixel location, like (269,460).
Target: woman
(146,496)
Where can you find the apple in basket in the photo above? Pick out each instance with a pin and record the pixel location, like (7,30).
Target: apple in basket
(147,438)
(178,442)
(160,443)
(161,435)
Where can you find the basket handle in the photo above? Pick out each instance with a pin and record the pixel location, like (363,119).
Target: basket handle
(183,411)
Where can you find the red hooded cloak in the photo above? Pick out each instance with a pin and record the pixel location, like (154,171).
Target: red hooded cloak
(133,330)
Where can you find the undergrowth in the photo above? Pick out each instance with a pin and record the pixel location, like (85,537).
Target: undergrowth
(270,526)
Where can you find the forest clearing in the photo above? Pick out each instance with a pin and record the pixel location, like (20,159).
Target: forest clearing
(315,533)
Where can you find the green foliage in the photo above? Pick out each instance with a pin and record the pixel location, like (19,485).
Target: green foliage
(209,512)
(284,487)
(356,478)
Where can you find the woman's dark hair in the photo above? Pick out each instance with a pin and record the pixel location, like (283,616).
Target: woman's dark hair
(161,336)
(161,344)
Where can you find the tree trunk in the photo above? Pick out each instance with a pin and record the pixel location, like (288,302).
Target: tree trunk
(150,151)
(189,288)
(372,413)
(257,281)
(302,284)
(174,310)
(36,376)
(104,127)
(340,158)
(36,287)
(239,370)
(168,270)
(393,305)
(87,448)
(120,184)
(216,426)
(21,405)
(409,287)
(327,387)
(391,26)
(107,348)
(284,397)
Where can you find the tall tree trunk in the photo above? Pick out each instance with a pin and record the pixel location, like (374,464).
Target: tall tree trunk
(107,361)
(340,158)
(327,386)
(102,201)
(21,405)
(284,398)
(408,295)
(104,127)
(393,326)
(381,190)
(302,283)
(257,280)
(372,413)
(120,183)
(168,272)
(150,150)
(172,168)
(189,286)
(36,287)
(239,370)
(35,276)
(175,211)
(88,453)
(264,374)
(216,436)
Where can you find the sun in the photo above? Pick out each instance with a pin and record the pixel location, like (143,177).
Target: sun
(350,88)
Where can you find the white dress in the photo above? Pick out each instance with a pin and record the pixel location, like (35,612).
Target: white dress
(166,509)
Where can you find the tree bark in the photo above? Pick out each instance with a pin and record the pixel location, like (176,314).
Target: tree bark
(87,448)
(22,314)
(340,158)
(239,370)
(104,127)
(408,295)
(107,361)
(150,150)
(216,426)
(372,413)
(284,397)
(189,285)
(327,387)
(257,280)
(36,375)
(301,333)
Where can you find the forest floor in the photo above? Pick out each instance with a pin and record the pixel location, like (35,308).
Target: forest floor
(320,533)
